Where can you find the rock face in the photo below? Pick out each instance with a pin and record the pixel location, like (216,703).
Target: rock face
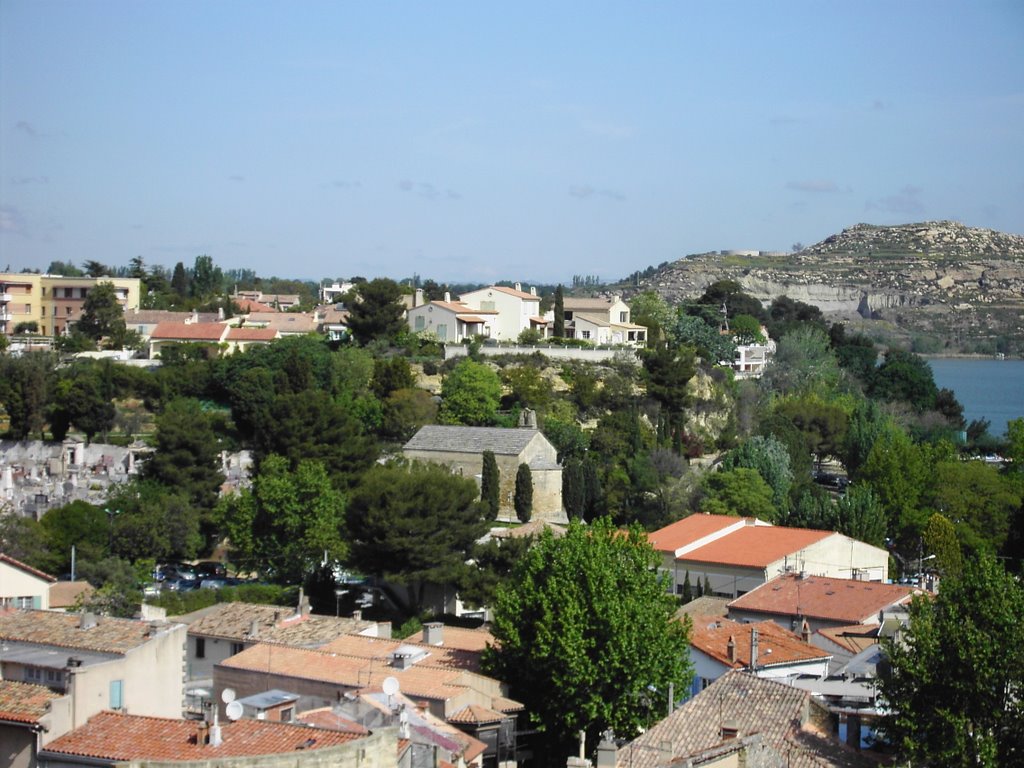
(939,278)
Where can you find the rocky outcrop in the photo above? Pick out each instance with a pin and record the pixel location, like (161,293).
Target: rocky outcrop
(930,277)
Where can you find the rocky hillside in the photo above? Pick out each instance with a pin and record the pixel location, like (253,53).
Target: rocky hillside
(939,283)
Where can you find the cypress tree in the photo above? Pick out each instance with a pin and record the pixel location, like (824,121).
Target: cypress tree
(574,491)
(687,589)
(489,486)
(707,585)
(523,498)
(559,330)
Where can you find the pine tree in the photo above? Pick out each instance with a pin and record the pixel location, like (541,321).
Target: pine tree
(559,330)
(523,498)
(490,480)
(687,589)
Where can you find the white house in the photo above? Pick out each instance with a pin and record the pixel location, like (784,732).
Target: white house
(517,310)
(451,320)
(22,586)
(601,321)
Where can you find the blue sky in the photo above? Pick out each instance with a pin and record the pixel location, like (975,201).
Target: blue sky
(484,141)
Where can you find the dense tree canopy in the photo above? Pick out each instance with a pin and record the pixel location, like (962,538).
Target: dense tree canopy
(378,312)
(584,627)
(470,395)
(954,676)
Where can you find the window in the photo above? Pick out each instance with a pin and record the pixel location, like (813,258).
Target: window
(287,714)
(116,694)
(585,334)
(237,648)
(33,675)
(200,647)
(623,317)
(442,332)
(28,309)
(421,322)
(487,306)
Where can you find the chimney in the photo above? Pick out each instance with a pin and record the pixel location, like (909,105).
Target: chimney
(519,287)
(215,737)
(730,730)
(753,649)
(384,630)
(730,649)
(606,751)
(433,633)
(447,297)
(87,620)
(254,628)
(418,298)
(357,615)
(805,632)
(533,290)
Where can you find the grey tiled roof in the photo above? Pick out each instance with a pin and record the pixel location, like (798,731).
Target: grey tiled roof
(103,633)
(754,706)
(502,441)
(235,621)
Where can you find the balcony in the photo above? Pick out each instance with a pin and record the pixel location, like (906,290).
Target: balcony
(5,297)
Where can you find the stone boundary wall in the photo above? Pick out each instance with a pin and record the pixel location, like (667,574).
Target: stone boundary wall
(555,353)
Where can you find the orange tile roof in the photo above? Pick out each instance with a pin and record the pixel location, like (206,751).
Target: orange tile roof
(755,546)
(251,305)
(380,649)
(325,717)
(689,529)
(776,645)
(116,737)
(188,332)
(822,597)
(274,623)
(459,638)
(514,292)
(26,568)
(24,702)
(854,638)
(474,714)
(109,635)
(251,334)
(65,594)
(459,308)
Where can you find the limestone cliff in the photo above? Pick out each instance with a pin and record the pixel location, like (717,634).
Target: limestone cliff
(956,283)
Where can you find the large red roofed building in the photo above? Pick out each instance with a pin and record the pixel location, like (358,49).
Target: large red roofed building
(111,738)
(734,555)
(823,601)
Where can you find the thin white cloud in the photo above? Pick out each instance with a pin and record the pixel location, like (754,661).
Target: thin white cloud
(818,186)
(26,127)
(428,190)
(587,191)
(905,201)
(11,220)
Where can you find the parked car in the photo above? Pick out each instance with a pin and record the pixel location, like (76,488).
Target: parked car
(176,571)
(211,569)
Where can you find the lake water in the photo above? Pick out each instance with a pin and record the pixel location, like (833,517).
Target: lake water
(987,388)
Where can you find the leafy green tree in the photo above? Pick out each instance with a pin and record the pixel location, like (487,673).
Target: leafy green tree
(940,540)
(180,281)
(390,374)
(566,435)
(470,395)
(187,456)
(102,314)
(23,538)
(813,507)
(523,496)
(155,521)
(897,471)
(79,524)
(652,311)
(786,314)
(857,353)
(865,426)
(823,424)
(558,331)
(406,410)
(490,488)
(730,294)
(712,346)
(415,525)
(493,562)
(527,387)
(81,400)
(574,492)
(207,278)
(378,312)
(978,498)
(312,426)
(95,268)
(289,523)
(771,460)
(67,269)
(954,676)
(741,492)
(861,515)
(803,362)
(583,627)
(906,377)
(668,370)
(687,589)
(26,384)
(746,330)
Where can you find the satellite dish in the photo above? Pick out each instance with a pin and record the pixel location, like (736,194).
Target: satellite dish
(233,710)
(228,695)
(390,685)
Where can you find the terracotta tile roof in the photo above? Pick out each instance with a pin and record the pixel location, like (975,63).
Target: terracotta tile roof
(470,318)
(460,638)
(24,702)
(116,737)
(459,308)
(380,650)
(234,621)
(690,529)
(755,546)
(711,634)
(421,681)
(64,594)
(822,597)
(513,292)
(502,704)
(251,334)
(778,712)
(705,605)
(26,568)
(251,305)
(153,316)
(109,635)
(325,717)
(212,332)
(853,638)
(474,714)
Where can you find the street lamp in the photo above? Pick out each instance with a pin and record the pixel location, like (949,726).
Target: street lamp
(337,601)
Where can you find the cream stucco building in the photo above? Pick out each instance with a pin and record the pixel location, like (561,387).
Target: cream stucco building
(53,302)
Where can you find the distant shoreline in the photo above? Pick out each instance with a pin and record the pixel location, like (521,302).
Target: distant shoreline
(966,356)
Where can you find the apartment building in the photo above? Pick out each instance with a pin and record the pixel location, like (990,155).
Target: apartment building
(53,302)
